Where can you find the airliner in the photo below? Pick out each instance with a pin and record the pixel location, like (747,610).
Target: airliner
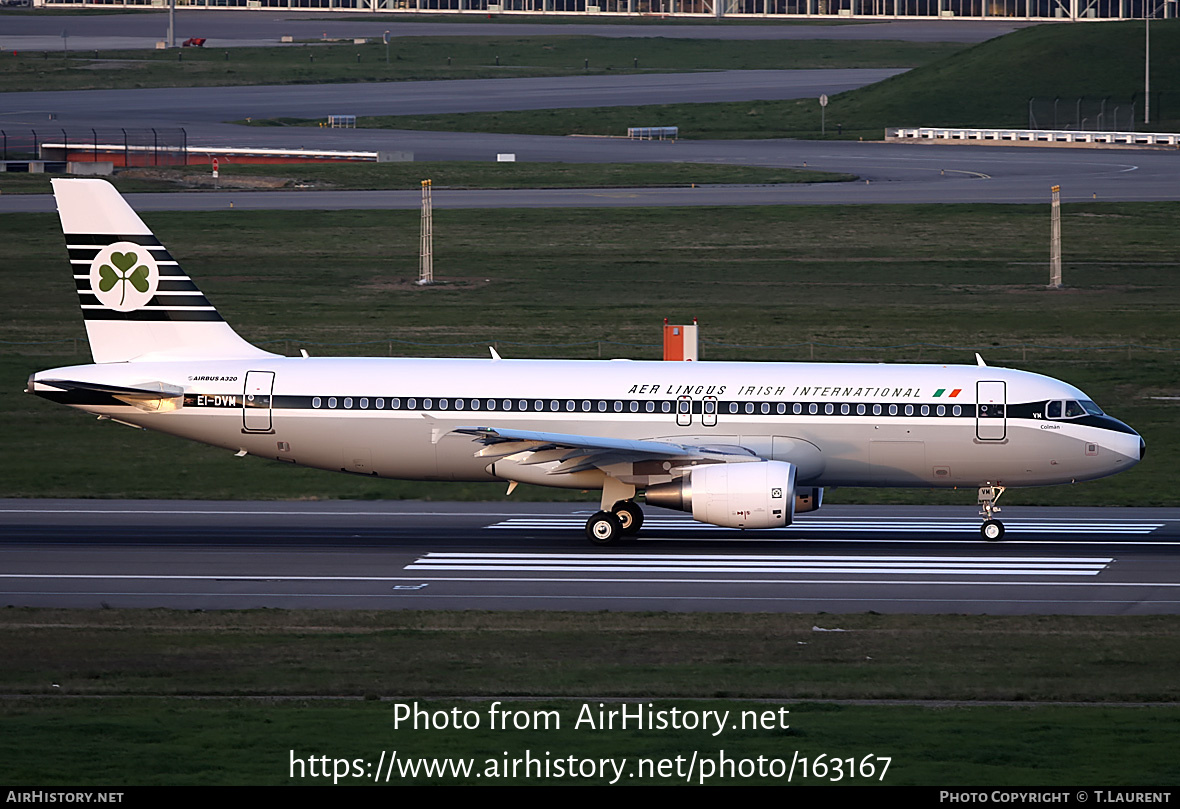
(736,444)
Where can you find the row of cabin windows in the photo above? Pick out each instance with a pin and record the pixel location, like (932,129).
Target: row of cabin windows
(519,405)
(683,406)
(845,409)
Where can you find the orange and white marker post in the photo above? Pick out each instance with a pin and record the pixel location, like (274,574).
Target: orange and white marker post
(680,342)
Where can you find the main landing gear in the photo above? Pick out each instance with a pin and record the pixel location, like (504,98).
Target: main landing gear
(992,529)
(612,527)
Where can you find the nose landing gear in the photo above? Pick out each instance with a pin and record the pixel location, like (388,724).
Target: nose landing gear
(992,529)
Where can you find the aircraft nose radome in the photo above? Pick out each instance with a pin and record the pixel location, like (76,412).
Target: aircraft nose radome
(1142,448)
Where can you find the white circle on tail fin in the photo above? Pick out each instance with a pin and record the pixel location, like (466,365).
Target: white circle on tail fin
(124,276)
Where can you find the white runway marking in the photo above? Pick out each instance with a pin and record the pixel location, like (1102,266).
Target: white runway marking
(761,565)
(856,525)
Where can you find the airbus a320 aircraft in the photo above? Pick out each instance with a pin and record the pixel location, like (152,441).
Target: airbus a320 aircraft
(743,445)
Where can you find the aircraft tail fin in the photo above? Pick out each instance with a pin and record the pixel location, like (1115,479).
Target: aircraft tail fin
(137,302)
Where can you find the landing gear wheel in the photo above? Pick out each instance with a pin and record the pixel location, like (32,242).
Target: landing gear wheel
(992,530)
(630,516)
(604,528)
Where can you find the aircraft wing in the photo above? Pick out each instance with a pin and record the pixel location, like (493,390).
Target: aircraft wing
(576,453)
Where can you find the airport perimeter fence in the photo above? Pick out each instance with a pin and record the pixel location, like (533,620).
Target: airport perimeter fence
(1092,114)
(615,349)
(140,148)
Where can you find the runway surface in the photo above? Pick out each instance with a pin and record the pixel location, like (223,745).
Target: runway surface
(415,555)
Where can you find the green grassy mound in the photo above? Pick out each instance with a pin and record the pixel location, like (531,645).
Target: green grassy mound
(989,84)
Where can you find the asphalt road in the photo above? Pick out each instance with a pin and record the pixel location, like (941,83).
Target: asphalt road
(414,555)
(197,107)
(224,29)
(890,174)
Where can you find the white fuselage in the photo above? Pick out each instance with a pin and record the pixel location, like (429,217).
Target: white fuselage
(839,424)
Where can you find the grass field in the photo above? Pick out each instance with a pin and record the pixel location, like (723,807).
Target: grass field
(135,696)
(786,283)
(988,84)
(429,58)
(444,175)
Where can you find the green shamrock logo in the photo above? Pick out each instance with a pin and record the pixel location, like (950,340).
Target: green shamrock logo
(123,274)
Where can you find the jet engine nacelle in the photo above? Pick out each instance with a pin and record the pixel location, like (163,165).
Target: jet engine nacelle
(759,494)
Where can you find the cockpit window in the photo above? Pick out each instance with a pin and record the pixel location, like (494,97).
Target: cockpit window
(1070,409)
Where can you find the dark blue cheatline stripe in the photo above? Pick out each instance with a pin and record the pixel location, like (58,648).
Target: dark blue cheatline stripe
(157,301)
(146,240)
(471,404)
(149,315)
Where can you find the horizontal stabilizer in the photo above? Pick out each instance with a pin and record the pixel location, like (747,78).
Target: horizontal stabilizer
(151,391)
